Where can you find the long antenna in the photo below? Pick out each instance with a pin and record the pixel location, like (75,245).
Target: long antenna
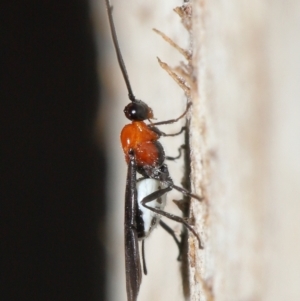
(118,51)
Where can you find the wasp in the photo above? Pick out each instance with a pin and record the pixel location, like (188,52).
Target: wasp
(145,198)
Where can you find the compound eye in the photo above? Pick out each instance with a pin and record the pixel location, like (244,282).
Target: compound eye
(138,111)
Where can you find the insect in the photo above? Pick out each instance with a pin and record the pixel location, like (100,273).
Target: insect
(144,155)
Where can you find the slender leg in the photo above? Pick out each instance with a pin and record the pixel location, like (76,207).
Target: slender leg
(173,120)
(171,232)
(163,134)
(187,193)
(144,258)
(180,153)
(157,194)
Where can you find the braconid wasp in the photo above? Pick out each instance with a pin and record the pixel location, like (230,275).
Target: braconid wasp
(144,197)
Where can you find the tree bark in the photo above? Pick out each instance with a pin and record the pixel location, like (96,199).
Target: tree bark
(245,137)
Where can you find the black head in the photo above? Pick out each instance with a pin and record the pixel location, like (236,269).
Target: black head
(138,111)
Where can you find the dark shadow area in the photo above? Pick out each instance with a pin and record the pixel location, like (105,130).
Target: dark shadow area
(52,172)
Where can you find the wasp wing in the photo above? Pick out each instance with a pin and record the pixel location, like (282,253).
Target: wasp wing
(132,255)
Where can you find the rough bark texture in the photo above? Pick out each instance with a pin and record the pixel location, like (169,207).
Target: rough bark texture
(245,138)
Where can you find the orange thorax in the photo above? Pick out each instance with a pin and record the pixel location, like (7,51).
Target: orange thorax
(139,137)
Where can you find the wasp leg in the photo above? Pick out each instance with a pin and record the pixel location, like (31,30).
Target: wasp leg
(144,258)
(163,134)
(187,193)
(171,232)
(157,194)
(173,120)
(175,158)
